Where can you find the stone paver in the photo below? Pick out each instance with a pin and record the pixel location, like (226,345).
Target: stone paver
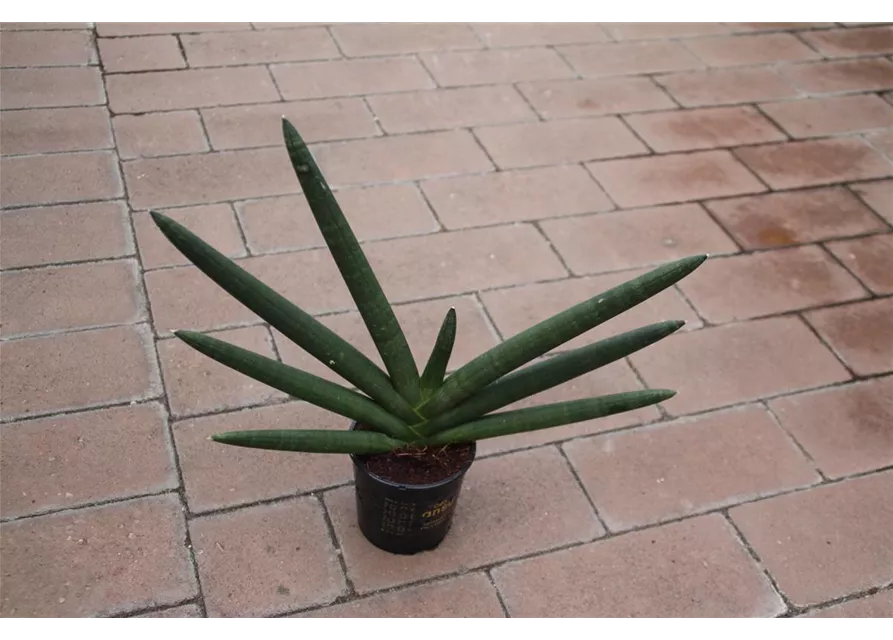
(508,170)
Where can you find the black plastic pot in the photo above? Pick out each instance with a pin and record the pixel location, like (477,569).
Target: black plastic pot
(402,518)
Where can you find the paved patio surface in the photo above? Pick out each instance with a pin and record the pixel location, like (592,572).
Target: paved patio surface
(509,171)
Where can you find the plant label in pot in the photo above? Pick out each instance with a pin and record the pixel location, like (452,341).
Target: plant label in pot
(415,422)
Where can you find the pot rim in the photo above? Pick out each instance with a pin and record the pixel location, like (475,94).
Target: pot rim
(414,487)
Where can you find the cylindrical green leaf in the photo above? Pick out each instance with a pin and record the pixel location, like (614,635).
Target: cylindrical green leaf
(311,440)
(299,384)
(355,269)
(550,333)
(550,373)
(432,378)
(546,416)
(299,327)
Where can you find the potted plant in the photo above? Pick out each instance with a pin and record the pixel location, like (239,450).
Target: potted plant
(412,436)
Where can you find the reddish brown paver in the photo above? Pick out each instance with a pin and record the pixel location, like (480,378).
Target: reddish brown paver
(827,542)
(768,283)
(818,117)
(50,130)
(636,238)
(871,259)
(704,128)
(64,233)
(762,358)
(159,134)
(71,296)
(733,51)
(97,561)
(266,559)
(510,196)
(148,53)
(711,575)
(859,333)
(594,97)
(845,429)
(509,170)
(794,217)
(72,460)
(676,469)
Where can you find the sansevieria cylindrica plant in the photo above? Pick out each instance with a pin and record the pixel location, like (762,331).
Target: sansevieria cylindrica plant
(399,407)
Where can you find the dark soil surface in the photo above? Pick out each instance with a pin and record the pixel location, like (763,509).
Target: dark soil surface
(418,465)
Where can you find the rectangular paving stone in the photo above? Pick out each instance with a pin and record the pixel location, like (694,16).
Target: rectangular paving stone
(159,134)
(400,158)
(628,239)
(195,383)
(704,128)
(71,460)
(69,177)
(183,611)
(47,374)
(69,87)
(859,333)
(727,86)
(543,509)
(468,596)
(68,297)
(826,542)
(209,177)
(818,117)
(878,196)
(558,141)
(498,66)
(64,233)
(350,77)
(51,130)
(261,125)
(843,428)
(869,259)
(629,58)
(521,34)
(790,165)
(512,196)
(733,51)
(189,88)
(873,74)
(106,29)
(711,573)
(594,97)
(641,182)
(391,38)
(780,219)
(768,283)
(46,48)
(385,211)
(97,562)
(147,53)
(43,26)
(258,47)
(449,108)
(218,476)
(842,43)
(675,469)
(266,560)
(770,357)
(661,30)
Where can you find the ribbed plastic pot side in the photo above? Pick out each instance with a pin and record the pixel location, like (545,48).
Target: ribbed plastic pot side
(405,518)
